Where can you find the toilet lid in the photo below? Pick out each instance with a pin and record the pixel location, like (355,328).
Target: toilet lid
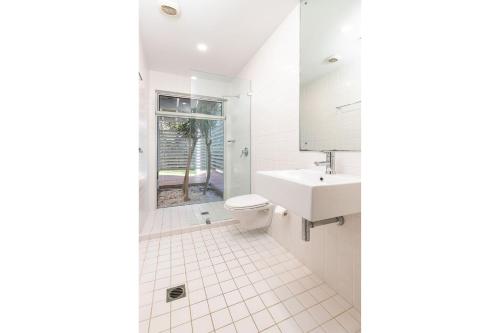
(246,201)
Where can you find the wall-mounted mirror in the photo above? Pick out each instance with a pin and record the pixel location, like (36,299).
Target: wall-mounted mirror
(330,75)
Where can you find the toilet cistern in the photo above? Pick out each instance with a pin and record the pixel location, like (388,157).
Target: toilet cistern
(329,163)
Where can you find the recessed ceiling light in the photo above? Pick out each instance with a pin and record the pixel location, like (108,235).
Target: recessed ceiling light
(332,59)
(202,47)
(169,7)
(194,78)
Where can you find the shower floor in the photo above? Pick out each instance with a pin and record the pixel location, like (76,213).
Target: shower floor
(163,220)
(174,197)
(236,281)
(171,194)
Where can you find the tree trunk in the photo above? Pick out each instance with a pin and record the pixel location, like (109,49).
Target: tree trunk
(185,184)
(209,165)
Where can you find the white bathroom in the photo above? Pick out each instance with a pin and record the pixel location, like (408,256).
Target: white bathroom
(277,174)
(236,166)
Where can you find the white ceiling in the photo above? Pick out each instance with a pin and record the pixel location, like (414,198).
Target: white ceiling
(233,30)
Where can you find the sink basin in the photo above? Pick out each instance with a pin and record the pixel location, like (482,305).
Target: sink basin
(311,194)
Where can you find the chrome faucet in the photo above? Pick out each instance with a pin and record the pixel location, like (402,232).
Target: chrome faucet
(329,163)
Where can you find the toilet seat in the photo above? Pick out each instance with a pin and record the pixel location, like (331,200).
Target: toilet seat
(246,202)
(251,210)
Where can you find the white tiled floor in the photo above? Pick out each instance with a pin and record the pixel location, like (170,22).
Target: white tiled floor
(236,281)
(173,218)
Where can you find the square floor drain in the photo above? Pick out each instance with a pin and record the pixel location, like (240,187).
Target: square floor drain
(176,293)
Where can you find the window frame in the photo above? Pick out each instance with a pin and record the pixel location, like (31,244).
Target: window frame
(158,112)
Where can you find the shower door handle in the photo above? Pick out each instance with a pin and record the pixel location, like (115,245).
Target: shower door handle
(244,151)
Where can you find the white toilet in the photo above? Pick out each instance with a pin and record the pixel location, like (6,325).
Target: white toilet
(252,210)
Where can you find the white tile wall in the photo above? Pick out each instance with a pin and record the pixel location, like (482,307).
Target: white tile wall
(334,252)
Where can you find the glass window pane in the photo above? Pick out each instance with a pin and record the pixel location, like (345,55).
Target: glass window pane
(192,147)
(208,107)
(185,105)
(168,103)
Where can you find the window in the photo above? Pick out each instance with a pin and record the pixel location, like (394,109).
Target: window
(192,145)
(189,105)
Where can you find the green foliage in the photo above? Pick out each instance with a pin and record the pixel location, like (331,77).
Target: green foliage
(188,128)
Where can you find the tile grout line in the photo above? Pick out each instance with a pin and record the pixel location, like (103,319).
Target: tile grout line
(249,244)
(154,284)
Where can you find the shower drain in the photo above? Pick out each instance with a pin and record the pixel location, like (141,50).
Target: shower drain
(176,293)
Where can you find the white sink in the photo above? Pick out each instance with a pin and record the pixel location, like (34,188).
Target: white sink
(311,194)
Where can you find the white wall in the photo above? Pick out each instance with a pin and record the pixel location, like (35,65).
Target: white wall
(144,208)
(333,252)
